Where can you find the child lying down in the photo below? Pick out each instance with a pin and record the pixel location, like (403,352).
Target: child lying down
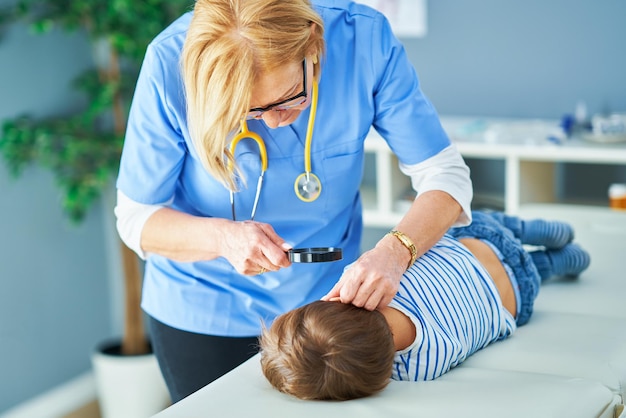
(474,287)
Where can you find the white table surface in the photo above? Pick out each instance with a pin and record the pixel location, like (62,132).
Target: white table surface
(497,385)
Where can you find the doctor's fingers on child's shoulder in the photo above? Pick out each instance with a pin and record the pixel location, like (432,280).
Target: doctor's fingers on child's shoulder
(362,288)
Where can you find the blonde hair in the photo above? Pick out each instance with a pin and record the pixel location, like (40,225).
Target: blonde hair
(229,44)
(328,351)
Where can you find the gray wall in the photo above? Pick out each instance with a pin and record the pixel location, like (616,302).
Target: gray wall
(532,58)
(481,58)
(54,298)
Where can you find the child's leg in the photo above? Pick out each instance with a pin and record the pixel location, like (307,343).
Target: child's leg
(550,234)
(570,260)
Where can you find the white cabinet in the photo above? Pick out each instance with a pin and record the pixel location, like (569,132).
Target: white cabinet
(528,163)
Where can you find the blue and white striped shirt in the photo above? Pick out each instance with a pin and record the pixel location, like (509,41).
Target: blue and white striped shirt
(455,307)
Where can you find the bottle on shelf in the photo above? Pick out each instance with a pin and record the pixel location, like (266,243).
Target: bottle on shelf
(617,196)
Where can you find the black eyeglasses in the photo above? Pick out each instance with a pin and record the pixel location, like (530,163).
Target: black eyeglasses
(297,100)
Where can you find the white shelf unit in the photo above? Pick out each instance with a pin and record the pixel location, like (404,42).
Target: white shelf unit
(529,158)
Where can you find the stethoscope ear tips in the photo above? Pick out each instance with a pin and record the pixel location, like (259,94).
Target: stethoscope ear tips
(307,187)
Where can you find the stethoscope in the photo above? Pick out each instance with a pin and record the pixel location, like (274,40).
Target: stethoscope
(307,185)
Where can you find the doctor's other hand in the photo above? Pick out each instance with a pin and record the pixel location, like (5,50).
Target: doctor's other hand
(372,280)
(253,248)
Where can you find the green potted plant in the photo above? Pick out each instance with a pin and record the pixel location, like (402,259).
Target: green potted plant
(82,149)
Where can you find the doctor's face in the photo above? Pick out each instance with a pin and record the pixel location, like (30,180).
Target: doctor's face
(280,96)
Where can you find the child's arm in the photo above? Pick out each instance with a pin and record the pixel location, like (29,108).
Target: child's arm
(402,328)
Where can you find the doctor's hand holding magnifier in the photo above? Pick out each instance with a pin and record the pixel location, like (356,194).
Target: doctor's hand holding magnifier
(239,181)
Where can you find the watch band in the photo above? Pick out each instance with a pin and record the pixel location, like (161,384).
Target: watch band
(408,243)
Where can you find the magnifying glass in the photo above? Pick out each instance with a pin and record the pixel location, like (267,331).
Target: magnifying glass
(315,254)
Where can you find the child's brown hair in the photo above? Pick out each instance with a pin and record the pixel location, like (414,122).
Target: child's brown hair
(329,351)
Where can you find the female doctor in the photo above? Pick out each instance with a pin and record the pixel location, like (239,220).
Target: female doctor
(213,213)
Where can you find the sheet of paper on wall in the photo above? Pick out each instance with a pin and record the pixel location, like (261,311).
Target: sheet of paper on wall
(407,17)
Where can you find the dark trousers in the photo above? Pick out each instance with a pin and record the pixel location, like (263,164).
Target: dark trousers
(189,361)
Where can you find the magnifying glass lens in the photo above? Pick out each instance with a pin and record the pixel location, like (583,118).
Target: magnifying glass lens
(315,255)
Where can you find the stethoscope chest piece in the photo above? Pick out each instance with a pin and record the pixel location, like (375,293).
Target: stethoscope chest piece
(307,187)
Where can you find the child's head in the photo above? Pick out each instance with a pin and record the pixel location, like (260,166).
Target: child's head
(328,350)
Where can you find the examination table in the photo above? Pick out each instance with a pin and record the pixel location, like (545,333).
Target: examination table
(568,361)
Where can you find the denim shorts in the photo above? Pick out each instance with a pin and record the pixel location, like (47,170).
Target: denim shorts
(492,228)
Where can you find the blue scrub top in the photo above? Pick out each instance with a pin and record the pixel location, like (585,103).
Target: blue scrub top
(366,80)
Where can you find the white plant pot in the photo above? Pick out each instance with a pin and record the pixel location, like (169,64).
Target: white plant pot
(128,386)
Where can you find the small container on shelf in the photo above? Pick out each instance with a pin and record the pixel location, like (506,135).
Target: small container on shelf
(617,196)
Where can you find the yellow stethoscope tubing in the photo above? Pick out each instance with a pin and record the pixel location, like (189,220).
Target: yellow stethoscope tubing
(309,129)
(245,133)
(307,152)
